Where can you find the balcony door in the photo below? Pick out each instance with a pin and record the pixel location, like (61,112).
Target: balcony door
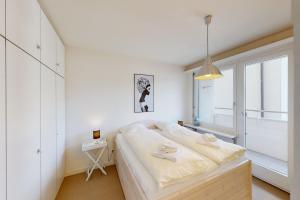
(266,119)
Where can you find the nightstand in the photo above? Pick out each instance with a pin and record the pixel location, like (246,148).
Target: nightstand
(90,146)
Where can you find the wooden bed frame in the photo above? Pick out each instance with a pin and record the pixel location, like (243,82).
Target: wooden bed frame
(234,184)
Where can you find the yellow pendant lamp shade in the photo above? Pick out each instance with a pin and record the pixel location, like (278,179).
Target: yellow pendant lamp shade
(208,71)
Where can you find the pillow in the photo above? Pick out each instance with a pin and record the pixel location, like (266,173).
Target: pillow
(165,125)
(132,126)
(150,124)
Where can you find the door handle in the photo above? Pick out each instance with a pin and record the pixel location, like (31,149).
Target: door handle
(244,114)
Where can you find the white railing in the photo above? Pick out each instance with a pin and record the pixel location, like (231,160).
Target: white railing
(263,135)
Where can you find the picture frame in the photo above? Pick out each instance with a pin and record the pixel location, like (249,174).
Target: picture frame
(143,93)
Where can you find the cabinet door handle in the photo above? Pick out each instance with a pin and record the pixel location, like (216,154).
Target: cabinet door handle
(38,46)
(57,64)
(38,151)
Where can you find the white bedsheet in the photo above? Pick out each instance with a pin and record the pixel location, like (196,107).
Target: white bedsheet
(225,153)
(144,142)
(148,184)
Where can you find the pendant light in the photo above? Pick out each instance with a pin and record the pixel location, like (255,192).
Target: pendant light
(208,71)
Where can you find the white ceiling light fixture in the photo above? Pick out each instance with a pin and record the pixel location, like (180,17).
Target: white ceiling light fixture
(208,71)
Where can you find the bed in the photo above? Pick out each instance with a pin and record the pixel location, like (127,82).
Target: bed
(230,181)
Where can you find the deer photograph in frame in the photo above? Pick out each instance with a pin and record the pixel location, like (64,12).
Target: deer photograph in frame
(143,93)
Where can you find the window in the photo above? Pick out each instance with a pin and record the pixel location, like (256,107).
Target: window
(251,101)
(267,107)
(266,89)
(216,101)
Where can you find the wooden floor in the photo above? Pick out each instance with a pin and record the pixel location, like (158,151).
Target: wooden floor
(265,191)
(109,188)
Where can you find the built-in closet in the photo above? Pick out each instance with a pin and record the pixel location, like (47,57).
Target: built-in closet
(32,103)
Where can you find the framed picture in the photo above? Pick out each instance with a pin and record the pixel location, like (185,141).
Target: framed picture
(143,93)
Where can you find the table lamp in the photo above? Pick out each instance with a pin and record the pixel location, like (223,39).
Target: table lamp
(96,134)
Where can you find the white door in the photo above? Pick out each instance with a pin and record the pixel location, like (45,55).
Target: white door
(23,25)
(60,103)
(23,125)
(267,118)
(2,17)
(48,134)
(48,43)
(60,57)
(2,122)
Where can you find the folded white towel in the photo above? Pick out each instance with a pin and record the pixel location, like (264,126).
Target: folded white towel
(164,156)
(208,140)
(209,137)
(166,148)
(167,151)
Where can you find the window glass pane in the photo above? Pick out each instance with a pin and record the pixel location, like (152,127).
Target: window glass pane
(253,94)
(267,109)
(275,83)
(216,100)
(206,101)
(266,89)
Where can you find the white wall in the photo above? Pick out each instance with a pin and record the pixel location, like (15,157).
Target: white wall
(189,93)
(99,95)
(296,176)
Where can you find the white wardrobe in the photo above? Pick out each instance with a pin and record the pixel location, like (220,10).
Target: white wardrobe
(32,103)
(2,121)
(2,17)
(2,104)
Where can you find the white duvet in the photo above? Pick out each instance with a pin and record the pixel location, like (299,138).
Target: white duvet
(144,142)
(224,153)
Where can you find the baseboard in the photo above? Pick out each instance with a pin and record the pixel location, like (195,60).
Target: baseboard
(81,170)
(274,178)
(75,171)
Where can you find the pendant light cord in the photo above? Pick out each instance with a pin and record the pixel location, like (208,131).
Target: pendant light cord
(207,20)
(207,50)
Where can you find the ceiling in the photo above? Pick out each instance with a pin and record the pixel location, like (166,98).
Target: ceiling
(166,31)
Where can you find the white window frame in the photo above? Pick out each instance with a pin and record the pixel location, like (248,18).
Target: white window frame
(213,127)
(268,52)
(263,54)
(262,60)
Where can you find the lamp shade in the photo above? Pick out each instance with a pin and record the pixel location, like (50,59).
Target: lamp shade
(96,134)
(208,71)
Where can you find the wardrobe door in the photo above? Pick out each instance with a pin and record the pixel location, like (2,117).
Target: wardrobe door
(48,42)
(48,134)
(2,17)
(23,125)
(60,103)
(60,57)
(60,160)
(2,122)
(23,25)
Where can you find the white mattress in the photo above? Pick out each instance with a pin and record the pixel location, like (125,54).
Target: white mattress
(147,183)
